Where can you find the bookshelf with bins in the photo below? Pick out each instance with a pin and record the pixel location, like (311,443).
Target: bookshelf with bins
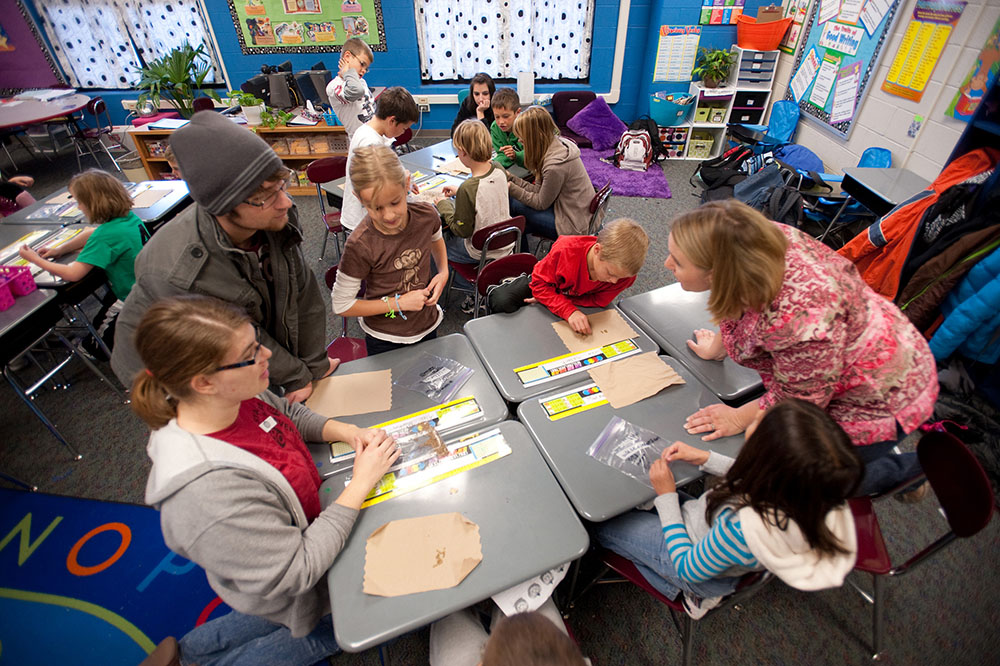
(743,99)
(296,146)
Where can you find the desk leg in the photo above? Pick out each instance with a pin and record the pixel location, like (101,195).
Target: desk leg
(18,482)
(93,368)
(74,313)
(19,390)
(836,217)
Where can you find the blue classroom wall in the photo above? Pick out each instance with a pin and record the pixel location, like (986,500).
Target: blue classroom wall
(399,66)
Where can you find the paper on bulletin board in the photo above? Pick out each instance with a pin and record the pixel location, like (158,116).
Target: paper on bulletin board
(828,9)
(798,11)
(841,38)
(845,93)
(676,52)
(850,11)
(804,77)
(824,81)
(873,13)
(920,50)
(979,79)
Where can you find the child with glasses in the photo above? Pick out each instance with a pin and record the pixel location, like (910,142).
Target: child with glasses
(391,251)
(349,95)
(236,486)
(112,245)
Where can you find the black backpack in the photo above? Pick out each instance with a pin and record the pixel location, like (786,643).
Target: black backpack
(718,176)
(648,124)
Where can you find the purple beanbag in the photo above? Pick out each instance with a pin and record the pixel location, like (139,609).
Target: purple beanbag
(598,122)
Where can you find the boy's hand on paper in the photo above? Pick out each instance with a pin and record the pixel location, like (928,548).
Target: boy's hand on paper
(436,287)
(449,190)
(28,254)
(373,461)
(508,151)
(662,477)
(685,453)
(579,323)
(705,345)
(717,420)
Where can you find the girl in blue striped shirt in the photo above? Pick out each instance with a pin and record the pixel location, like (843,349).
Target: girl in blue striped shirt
(780,506)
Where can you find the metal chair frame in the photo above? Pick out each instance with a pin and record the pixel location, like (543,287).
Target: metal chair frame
(84,137)
(323,171)
(498,234)
(343,346)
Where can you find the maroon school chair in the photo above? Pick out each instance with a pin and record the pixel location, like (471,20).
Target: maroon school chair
(342,346)
(402,142)
(323,171)
(491,237)
(495,272)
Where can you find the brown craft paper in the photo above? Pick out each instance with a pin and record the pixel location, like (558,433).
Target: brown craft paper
(606,327)
(634,378)
(453,166)
(147,198)
(420,554)
(347,395)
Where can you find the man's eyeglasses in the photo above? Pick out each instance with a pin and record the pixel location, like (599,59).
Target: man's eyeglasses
(251,360)
(270,199)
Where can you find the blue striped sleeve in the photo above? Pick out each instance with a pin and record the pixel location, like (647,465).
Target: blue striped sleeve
(723,547)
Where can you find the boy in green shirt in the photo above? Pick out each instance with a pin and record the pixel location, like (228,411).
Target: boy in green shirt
(508,147)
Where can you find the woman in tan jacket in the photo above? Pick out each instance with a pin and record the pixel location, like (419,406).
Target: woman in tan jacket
(558,202)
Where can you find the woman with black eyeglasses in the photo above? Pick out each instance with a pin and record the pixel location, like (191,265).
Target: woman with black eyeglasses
(236,487)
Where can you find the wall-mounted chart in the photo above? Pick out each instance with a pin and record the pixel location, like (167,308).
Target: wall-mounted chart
(840,48)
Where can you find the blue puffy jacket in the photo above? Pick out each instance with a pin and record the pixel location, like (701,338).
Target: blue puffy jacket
(971,311)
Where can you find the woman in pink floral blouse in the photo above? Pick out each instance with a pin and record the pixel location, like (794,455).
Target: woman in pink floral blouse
(799,314)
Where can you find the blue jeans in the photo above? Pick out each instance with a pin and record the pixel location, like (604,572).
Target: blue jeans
(537,222)
(885,470)
(458,253)
(638,536)
(238,639)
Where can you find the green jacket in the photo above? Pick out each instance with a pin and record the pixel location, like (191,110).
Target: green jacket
(501,138)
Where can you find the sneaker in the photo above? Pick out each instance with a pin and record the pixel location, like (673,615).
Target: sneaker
(697,608)
(468,306)
(915,495)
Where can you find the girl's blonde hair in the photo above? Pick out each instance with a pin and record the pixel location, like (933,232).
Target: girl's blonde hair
(744,251)
(178,339)
(472,136)
(536,130)
(102,194)
(374,167)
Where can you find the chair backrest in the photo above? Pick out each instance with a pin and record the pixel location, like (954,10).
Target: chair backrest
(403,138)
(783,121)
(330,276)
(567,103)
(462,94)
(499,234)
(958,480)
(509,266)
(326,169)
(96,106)
(598,209)
(203,104)
(875,157)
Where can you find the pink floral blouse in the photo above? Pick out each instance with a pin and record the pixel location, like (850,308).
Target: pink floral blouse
(829,339)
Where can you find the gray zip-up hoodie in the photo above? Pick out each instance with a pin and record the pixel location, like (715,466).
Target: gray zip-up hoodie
(238,518)
(564,184)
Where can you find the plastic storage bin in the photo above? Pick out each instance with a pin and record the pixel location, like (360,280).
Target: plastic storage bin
(21,282)
(760,36)
(667,112)
(700,145)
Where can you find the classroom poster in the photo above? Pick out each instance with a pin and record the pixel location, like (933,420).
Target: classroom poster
(920,50)
(872,13)
(306,26)
(845,93)
(824,81)
(828,9)
(720,12)
(979,79)
(805,76)
(676,52)
(798,11)
(842,38)
(850,11)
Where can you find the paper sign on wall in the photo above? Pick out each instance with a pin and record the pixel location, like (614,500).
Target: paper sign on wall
(850,11)
(873,13)
(804,77)
(798,11)
(923,42)
(840,37)
(828,9)
(824,81)
(676,52)
(845,93)
(979,78)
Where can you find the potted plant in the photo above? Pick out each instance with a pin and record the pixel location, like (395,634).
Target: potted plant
(713,66)
(180,76)
(275,117)
(253,106)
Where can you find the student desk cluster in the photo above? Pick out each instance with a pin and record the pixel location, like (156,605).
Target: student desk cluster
(527,500)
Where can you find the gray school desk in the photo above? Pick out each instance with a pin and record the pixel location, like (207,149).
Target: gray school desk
(508,341)
(670,315)
(526,527)
(597,491)
(430,158)
(404,401)
(881,190)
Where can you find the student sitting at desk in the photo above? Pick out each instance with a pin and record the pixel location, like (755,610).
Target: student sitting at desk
(509,149)
(478,104)
(481,200)
(111,245)
(395,112)
(580,271)
(391,252)
(236,486)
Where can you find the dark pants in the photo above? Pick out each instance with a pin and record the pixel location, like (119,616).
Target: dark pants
(376,346)
(884,470)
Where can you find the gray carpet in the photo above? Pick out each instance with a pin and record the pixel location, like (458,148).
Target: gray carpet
(945,612)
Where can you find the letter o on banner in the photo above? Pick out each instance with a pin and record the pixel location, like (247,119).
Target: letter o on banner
(77,569)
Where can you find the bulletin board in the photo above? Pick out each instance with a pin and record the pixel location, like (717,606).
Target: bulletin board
(25,61)
(841,44)
(306,26)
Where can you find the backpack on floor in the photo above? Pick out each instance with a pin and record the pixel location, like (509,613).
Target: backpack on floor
(648,124)
(634,151)
(717,177)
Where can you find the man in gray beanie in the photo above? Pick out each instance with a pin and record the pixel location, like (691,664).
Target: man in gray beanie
(240,242)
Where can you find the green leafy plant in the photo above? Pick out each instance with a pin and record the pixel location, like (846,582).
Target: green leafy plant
(244,98)
(275,117)
(179,76)
(713,66)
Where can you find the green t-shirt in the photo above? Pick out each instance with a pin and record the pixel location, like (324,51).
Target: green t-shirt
(113,247)
(500,139)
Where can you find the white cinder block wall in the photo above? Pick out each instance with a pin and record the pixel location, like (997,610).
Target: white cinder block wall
(883,119)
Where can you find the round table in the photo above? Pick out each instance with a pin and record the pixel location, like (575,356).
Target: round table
(31,111)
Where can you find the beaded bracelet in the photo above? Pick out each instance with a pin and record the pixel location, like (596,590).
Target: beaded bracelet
(391,314)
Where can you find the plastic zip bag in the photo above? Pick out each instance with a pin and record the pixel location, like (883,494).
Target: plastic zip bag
(628,448)
(437,378)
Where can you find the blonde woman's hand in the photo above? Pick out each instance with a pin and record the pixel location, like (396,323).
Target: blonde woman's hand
(715,420)
(707,344)
(684,452)
(662,477)
(374,460)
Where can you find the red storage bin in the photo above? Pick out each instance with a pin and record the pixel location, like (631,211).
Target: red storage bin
(21,283)
(760,36)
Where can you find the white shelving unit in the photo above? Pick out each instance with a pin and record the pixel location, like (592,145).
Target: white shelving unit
(742,99)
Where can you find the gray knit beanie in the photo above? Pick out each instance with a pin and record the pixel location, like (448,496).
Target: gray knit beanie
(222,163)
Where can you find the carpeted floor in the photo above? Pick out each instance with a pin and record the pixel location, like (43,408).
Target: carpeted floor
(651,183)
(944,612)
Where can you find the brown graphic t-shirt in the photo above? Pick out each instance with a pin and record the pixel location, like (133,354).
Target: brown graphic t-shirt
(395,264)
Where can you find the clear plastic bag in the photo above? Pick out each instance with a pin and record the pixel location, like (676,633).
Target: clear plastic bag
(420,442)
(628,448)
(437,378)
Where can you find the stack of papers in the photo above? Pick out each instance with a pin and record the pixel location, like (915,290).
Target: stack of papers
(47,94)
(168,123)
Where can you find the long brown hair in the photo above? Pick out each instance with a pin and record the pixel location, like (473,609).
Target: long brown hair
(743,249)
(102,194)
(178,339)
(797,465)
(536,130)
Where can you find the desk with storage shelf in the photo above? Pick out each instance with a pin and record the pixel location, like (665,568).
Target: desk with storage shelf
(296,146)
